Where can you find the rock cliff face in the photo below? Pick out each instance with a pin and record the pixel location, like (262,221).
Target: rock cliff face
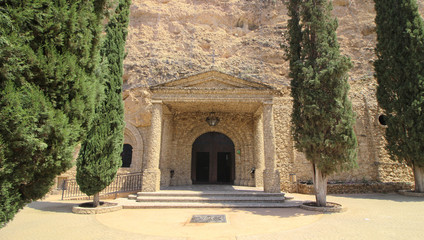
(170,39)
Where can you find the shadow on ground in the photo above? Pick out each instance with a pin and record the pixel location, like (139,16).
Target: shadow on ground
(277,212)
(383,197)
(52,206)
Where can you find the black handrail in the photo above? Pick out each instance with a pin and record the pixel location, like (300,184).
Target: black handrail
(129,182)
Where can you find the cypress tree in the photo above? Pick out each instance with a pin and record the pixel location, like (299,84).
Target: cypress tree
(322,116)
(49,57)
(100,154)
(399,70)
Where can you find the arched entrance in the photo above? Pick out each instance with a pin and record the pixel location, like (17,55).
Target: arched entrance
(213,159)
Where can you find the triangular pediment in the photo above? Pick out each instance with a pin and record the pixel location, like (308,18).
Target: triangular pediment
(212,80)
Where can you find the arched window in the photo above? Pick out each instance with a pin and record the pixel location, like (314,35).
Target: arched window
(127,156)
(383,120)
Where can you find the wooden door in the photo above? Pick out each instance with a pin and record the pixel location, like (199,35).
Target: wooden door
(213,159)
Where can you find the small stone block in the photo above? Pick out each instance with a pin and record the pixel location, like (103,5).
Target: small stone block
(208,219)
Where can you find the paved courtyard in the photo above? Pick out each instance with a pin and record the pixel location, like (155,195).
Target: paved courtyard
(368,216)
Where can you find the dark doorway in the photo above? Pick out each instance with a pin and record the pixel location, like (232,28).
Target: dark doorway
(213,159)
(126,156)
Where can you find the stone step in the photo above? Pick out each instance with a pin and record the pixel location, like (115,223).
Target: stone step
(132,197)
(207,194)
(209,199)
(135,205)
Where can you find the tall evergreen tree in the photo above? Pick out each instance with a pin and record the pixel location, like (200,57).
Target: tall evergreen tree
(100,154)
(49,56)
(399,69)
(322,116)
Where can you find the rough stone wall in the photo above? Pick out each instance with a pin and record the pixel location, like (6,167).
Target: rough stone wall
(362,95)
(373,161)
(362,187)
(170,39)
(391,171)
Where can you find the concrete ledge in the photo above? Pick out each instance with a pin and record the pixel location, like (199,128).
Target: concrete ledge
(330,208)
(99,210)
(410,193)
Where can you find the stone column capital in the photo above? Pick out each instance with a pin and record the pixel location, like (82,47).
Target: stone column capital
(268,103)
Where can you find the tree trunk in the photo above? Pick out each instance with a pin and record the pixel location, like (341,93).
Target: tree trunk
(96,200)
(320,187)
(419,179)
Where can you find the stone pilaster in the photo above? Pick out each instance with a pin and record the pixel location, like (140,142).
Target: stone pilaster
(151,172)
(165,157)
(259,151)
(271,174)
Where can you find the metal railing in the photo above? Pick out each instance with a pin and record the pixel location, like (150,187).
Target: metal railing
(130,182)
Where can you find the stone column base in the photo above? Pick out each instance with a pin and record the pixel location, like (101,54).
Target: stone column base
(272,181)
(151,180)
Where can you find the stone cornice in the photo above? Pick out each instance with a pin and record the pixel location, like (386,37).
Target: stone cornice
(222,81)
(216,91)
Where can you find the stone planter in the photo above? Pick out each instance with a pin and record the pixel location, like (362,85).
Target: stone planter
(330,208)
(105,208)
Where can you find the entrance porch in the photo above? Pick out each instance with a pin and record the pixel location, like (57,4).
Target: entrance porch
(183,148)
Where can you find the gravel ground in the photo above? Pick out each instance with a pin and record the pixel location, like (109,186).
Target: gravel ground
(368,216)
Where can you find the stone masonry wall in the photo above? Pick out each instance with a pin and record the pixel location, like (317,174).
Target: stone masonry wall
(284,142)
(362,187)
(373,161)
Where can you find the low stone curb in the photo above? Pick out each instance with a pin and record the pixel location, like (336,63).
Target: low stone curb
(354,188)
(99,210)
(335,208)
(410,193)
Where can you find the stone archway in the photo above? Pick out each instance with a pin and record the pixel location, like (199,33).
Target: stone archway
(213,159)
(133,137)
(234,126)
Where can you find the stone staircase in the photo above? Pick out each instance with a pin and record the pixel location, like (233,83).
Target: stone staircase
(207,199)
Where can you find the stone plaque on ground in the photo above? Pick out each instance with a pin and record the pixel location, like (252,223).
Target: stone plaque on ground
(208,219)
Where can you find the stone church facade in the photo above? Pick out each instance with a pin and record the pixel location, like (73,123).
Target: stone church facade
(207,96)
(165,123)
(243,114)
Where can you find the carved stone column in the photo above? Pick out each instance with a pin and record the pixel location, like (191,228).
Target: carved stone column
(259,151)
(151,172)
(166,148)
(271,174)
